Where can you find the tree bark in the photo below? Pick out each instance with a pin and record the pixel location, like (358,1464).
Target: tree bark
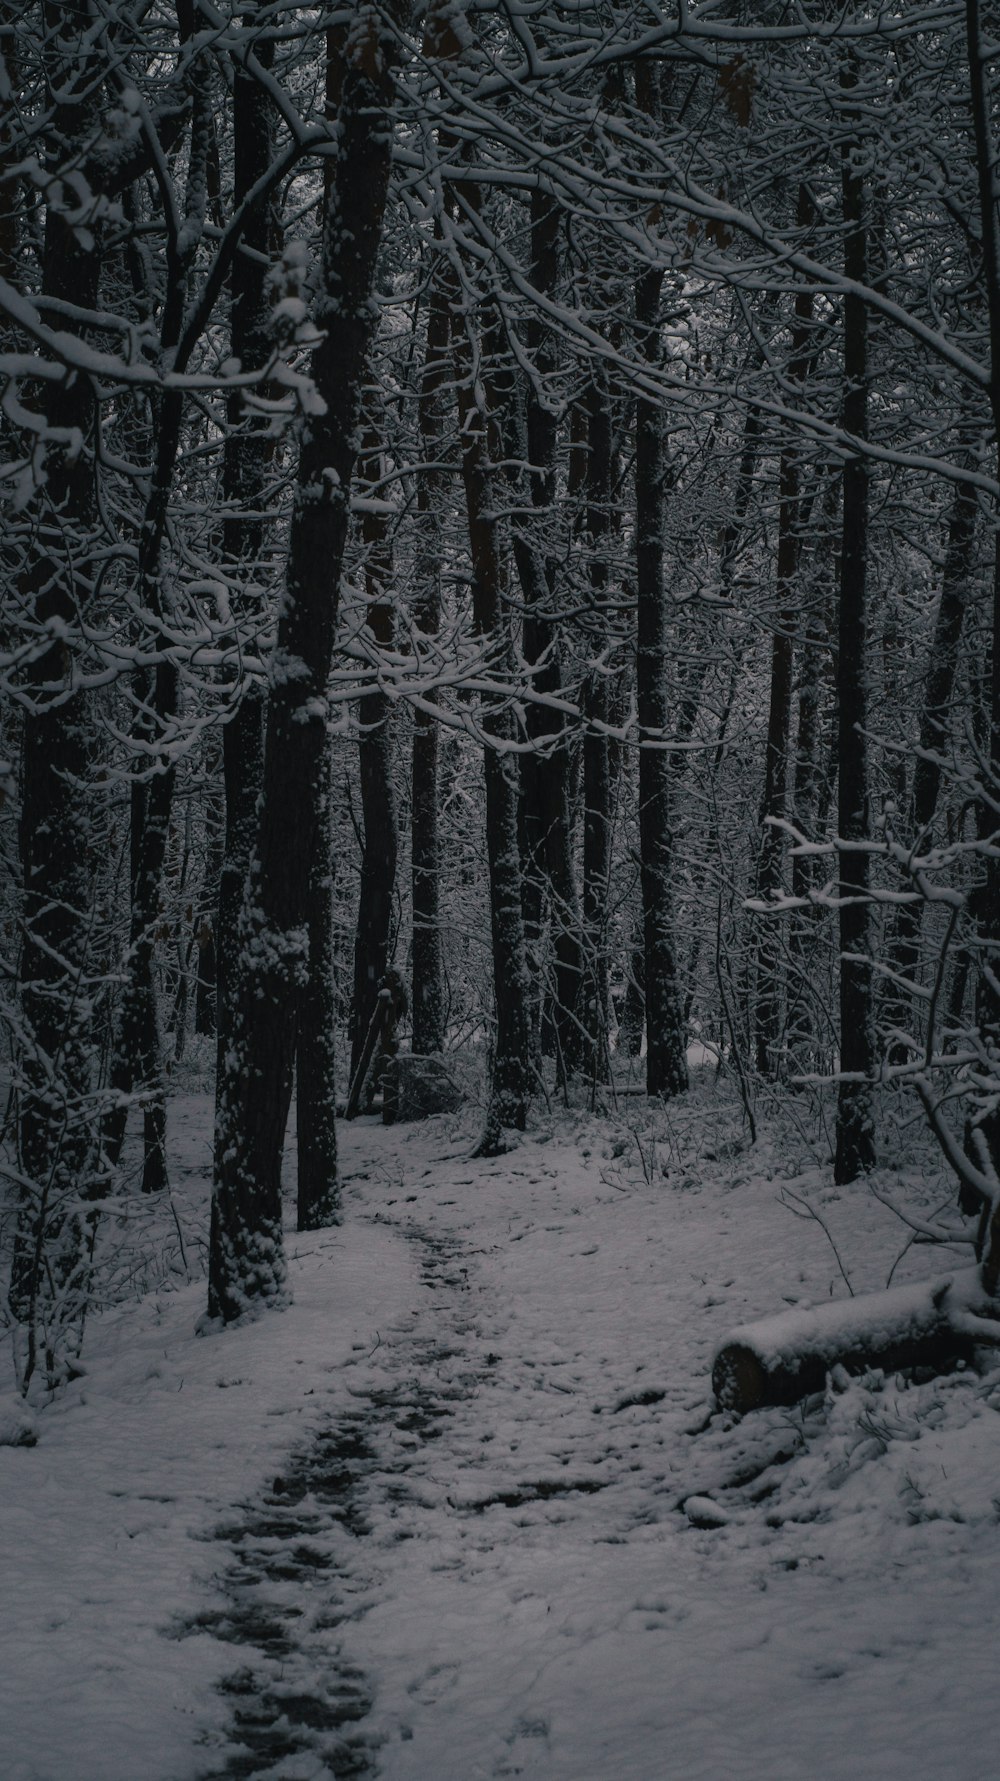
(246,1260)
(511,1082)
(138,1046)
(666,1062)
(318,1196)
(781,1359)
(549,878)
(378,799)
(934,733)
(596,750)
(855,1138)
(55,1116)
(428,968)
(247,459)
(767,1023)
(988,901)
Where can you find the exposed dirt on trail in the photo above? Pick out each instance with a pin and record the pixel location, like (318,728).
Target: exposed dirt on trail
(295,1574)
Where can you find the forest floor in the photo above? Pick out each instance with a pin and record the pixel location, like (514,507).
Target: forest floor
(429,1523)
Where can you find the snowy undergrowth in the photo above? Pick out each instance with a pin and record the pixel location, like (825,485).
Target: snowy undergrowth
(521,1352)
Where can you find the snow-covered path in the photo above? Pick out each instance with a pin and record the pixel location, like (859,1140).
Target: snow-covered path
(429,1524)
(521,1592)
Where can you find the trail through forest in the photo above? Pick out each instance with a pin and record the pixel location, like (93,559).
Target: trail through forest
(446,1515)
(499,583)
(491,1562)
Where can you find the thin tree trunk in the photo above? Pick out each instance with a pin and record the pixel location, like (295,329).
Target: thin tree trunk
(318,1197)
(205,912)
(138,1048)
(511,1084)
(428,969)
(378,799)
(942,666)
(801,1023)
(855,1140)
(246,465)
(767,1024)
(596,749)
(549,880)
(666,1062)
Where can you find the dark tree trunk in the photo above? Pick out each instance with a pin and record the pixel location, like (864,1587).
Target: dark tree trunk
(246,1260)
(549,879)
(691,687)
(935,730)
(814,677)
(428,969)
(596,873)
(855,1145)
(318,1199)
(511,1084)
(633,1015)
(205,986)
(138,1049)
(246,465)
(378,799)
(988,903)
(666,1062)
(596,750)
(767,1024)
(55,1115)
(206,912)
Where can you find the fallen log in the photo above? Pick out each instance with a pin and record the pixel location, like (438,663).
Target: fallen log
(778,1360)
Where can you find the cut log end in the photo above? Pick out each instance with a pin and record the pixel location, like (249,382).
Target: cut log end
(739,1379)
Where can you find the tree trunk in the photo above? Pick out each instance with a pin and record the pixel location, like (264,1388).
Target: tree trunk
(428,969)
(378,799)
(206,909)
(318,1198)
(138,1047)
(596,750)
(980,52)
(855,1142)
(55,1114)
(247,460)
(942,666)
(666,1062)
(246,464)
(511,1083)
(246,1261)
(767,1024)
(814,670)
(549,878)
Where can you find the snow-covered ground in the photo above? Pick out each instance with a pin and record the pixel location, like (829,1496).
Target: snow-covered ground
(435,1521)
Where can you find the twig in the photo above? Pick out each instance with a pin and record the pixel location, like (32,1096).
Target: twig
(809,1211)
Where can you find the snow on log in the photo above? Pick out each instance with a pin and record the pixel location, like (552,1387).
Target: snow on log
(783,1358)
